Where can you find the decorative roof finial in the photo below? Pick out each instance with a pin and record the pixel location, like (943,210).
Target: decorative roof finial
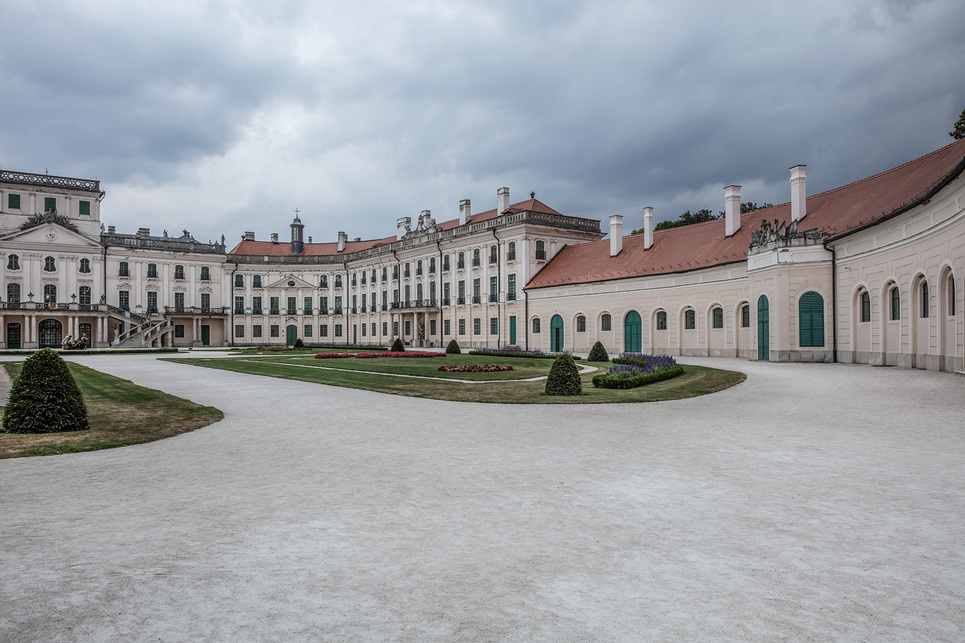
(532,195)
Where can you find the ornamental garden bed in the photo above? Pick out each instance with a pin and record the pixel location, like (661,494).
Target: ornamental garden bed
(398,354)
(518,353)
(475,368)
(631,370)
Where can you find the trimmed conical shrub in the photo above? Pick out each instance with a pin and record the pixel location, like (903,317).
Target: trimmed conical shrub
(398,346)
(564,377)
(45,398)
(453,348)
(598,353)
(298,343)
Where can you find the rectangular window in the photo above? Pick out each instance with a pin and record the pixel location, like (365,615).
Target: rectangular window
(273,330)
(432,327)
(745,316)
(308,330)
(256,305)
(511,288)
(205,301)
(256,281)
(606,322)
(323,330)
(373,329)
(581,324)
(50,203)
(152,271)
(123,270)
(363,329)
(179,331)
(338,305)
(865,307)
(292,306)
(308,306)
(718,314)
(13,201)
(494,325)
(690,320)
(395,329)
(462,326)
(446,327)
(475,291)
(536,329)
(179,272)
(256,330)
(662,320)
(408,328)
(239,305)
(338,330)
(239,330)
(178,301)
(462,291)
(494,288)
(323,281)
(83,209)
(323,305)
(152,301)
(476,326)
(273,306)
(205,273)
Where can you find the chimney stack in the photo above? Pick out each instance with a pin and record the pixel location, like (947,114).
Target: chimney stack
(647,228)
(274,237)
(616,234)
(249,235)
(798,193)
(502,200)
(732,209)
(342,238)
(465,211)
(402,227)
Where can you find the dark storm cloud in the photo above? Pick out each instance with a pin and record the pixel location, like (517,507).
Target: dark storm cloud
(359,113)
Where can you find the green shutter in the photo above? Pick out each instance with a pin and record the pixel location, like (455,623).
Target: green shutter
(84,208)
(763,330)
(811,319)
(50,203)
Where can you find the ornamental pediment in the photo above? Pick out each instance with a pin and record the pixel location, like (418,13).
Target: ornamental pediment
(290,281)
(53,236)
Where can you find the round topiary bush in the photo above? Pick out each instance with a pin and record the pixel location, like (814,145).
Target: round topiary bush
(598,353)
(45,398)
(453,348)
(397,346)
(299,343)
(564,377)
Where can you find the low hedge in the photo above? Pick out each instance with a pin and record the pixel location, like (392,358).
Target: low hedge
(519,354)
(605,380)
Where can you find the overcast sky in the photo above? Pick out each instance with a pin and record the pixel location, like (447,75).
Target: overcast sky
(222,117)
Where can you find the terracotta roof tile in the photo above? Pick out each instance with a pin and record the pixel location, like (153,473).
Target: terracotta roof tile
(838,212)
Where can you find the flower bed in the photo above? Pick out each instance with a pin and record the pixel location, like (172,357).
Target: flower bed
(400,354)
(506,352)
(332,355)
(631,370)
(485,368)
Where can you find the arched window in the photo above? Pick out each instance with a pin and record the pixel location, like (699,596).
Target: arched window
(951,295)
(85,266)
(924,299)
(418,291)
(445,263)
(255,281)
(606,322)
(718,317)
(83,295)
(535,324)
(50,294)
(50,264)
(690,319)
(13,262)
(432,265)
(179,272)
(418,268)
(511,251)
(123,270)
(152,271)
(493,254)
(895,304)
(580,324)
(461,263)
(746,316)
(13,293)
(338,281)
(407,273)
(475,257)
(662,320)
(811,318)
(865,306)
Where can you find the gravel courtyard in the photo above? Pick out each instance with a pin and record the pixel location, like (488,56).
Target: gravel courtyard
(811,502)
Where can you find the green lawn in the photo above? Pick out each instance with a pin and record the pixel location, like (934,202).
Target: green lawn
(120,413)
(377,375)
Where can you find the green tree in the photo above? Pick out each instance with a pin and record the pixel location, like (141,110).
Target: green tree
(45,398)
(689,218)
(564,377)
(598,353)
(453,348)
(750,206)
(959,131)
(397,346)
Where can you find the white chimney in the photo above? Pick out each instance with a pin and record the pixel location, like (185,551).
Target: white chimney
(342,238)
(402,227)
(732,209)
(249,235)
(647,228)
(616,234)
(502,200)
(799,193)
(465,211)
(274,237)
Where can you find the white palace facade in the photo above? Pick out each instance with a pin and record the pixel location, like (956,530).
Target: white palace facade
(870,272)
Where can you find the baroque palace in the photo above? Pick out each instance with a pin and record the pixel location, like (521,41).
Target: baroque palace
(870,272)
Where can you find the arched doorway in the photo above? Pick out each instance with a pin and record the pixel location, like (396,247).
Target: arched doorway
(291,334)
(632,333)
(556,334)
(51,333)
(763,330)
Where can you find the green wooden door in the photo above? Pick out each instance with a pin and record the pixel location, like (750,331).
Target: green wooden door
(556,334)
(763,330)
(632,333)
(512,330)
(205,335)
(811,319)
(291,334)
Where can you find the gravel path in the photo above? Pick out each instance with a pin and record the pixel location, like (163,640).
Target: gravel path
(811,502)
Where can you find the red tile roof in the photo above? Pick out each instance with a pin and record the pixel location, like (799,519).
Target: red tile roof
(283,248)
(837,212)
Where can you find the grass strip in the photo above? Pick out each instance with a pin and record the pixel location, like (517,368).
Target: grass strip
(120,413)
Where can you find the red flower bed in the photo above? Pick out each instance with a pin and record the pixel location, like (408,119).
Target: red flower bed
(402,354)
(485,368)
(332,355)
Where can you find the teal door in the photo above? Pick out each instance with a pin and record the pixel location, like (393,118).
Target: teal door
(205,335)
(556,334)
(512,330)
(811,319)
(763,330)
(355,330)
(291,334)
(632,333)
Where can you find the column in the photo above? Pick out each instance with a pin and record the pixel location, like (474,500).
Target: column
(165,301)
(136,304)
